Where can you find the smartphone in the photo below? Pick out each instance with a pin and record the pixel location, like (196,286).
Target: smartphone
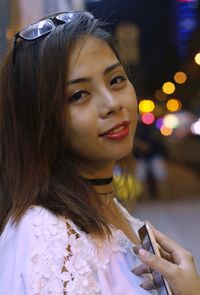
(149,243)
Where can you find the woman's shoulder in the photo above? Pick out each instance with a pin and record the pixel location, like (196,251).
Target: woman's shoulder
(37,228)
(34,249)
(35,220)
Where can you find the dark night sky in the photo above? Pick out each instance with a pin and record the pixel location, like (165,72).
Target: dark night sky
(156,21)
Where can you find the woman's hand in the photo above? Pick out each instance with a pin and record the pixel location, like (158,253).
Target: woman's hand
(181,275)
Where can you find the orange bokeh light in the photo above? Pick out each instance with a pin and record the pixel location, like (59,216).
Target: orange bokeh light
(160,95)
(168,87)
(166,131)
(173,105)
(180,77)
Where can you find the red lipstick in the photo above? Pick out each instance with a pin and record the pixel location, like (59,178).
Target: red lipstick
(118,131)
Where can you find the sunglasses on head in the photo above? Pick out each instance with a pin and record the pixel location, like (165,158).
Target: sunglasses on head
(45,26)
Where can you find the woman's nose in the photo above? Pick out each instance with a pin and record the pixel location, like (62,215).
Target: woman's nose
(110,103)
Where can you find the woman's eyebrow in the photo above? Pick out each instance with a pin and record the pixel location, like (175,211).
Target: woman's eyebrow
(87,79)
(112,67)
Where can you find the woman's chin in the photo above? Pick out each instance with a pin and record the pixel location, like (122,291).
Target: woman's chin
(123,153)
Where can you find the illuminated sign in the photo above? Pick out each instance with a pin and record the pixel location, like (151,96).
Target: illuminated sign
(186,23)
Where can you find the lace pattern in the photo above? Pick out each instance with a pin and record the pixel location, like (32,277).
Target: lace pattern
(47,258)
(66,258)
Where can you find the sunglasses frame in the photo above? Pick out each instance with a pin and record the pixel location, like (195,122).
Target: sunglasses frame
(54,20)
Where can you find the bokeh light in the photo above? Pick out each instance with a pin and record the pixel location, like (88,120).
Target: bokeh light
(168,87)
(173,105)
(166,131)
(160,95)
(180,77)
(197,58)
(159,123)
(195,128)
(171,121)
(146,106)
(159,110)
(148,118)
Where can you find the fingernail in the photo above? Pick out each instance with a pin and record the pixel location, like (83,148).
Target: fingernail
(133,270)
(144,253)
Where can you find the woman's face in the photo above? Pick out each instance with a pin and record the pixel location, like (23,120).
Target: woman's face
(101,105)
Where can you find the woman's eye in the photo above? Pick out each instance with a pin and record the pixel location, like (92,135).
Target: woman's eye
(78,96)
(117,80)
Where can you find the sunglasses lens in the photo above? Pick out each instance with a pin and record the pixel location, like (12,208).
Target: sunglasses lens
(37,30)
(70,16)
(45,26)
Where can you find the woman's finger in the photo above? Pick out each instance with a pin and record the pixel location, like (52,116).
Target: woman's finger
(181,275)
(165,242)
(169,246)
(183,279)
(157,263)
(165,255)
(141,269)
(136,248)
(148,284)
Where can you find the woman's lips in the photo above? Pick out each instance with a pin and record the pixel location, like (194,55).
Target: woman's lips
(118,131)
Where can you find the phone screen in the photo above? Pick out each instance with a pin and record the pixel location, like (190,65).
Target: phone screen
(159,281)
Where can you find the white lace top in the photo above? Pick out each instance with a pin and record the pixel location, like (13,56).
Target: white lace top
(48,255)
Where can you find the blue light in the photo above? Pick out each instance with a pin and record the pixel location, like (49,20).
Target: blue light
(187,21)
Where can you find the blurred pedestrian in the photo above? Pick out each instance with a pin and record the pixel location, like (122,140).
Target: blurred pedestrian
(151,169)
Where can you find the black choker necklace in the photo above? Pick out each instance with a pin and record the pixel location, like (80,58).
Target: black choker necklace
(99,181)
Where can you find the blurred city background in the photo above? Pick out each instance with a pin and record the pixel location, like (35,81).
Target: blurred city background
(160,43)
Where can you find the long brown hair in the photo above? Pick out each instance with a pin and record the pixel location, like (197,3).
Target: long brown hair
(35,166)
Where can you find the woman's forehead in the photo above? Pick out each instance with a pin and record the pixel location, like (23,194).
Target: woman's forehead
(89,54)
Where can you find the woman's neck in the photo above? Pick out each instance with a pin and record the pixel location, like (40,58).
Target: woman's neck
(104,189)
(100,178)
(95,170)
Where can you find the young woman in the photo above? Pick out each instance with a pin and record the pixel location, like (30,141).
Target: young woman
(68,113)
